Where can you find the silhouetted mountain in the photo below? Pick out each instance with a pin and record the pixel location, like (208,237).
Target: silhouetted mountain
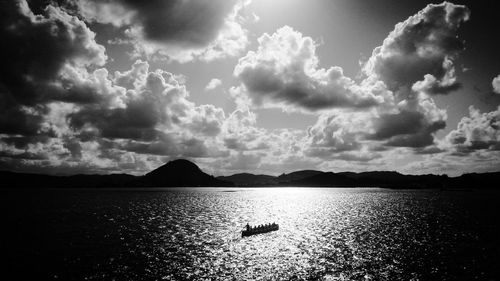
(298,175)
(183,173)
(246,179)
(179,173)
(475,180)
(325,180)
(391,179)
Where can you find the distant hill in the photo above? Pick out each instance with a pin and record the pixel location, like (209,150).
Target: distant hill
(387,179)
(390,179)
(246,179)
(179,173)
(298,175)
(325,180)
(183,173)
(475,180)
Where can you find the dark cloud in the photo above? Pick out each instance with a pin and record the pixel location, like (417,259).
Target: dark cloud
(48,167)
(18,120)
(136,121)
(49,100)
(402,123)
(177,29)
(22,142)
(23,155)
(184,22)
(191,23)
(39,55)
(74,147)
(356,157)
(38,47)
(406,129)
(424,137)
(428,150)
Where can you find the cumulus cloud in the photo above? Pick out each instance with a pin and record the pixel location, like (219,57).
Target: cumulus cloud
(59,106)
(212,84)
(154,103)
(496,84)
(478,131)
(240,132)
(334,134)
(363,135)
(340,136)
(141,114)
(284,71)
(181,30)
(414,63)
(41,55)
(59,109)
(414,123)
(422,48)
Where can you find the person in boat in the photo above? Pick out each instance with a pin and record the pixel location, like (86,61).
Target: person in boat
(248,227)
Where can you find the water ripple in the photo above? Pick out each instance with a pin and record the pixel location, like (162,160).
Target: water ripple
(325,234)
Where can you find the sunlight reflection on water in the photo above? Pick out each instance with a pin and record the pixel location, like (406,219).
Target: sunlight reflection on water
(325,234)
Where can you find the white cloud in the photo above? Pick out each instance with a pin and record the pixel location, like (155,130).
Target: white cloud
(478,131)
(496,84)
(415,62)
(212,84)
(394,102)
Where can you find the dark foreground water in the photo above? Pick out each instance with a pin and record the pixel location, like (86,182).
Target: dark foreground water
(194,234)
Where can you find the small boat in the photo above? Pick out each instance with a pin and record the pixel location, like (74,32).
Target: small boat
(249,230)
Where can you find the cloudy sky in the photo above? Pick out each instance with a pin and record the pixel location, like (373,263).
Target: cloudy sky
(260,86)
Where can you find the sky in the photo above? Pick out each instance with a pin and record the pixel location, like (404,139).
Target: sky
(259,86)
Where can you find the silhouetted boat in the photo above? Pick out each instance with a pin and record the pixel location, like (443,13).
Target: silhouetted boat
(249,230)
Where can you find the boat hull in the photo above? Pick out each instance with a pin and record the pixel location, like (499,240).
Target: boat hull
(246,233)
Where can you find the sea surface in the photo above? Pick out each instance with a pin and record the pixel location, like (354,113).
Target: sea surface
(195,234)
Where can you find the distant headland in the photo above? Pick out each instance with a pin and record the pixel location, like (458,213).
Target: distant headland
(184,173)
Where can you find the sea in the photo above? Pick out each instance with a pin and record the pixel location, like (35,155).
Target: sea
(195,234)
